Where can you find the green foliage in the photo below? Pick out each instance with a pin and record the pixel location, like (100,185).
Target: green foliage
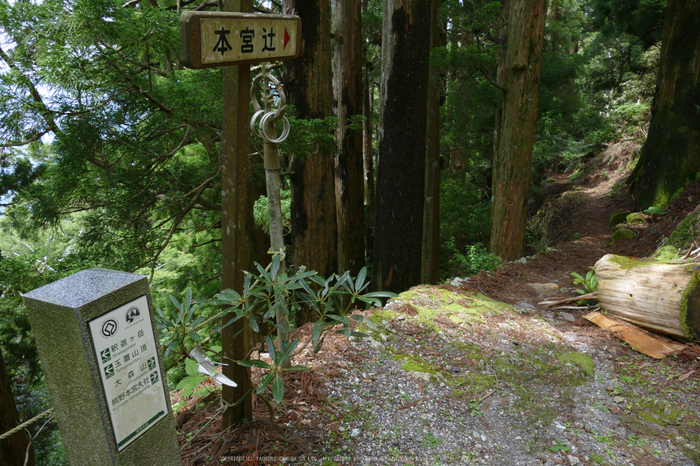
(464,214)
(263,294)
(655,211)
(589,283)
(309,137)
(178,326)
(27,264)
(537,233)
(475,259)
(261,214)
(275,369)
(134,140)
(192,380)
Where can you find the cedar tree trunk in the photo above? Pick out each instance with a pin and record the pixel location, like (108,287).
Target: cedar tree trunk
(347,103)
(309,88)
(400,192)
(670,157)
(516,130)
(431,214)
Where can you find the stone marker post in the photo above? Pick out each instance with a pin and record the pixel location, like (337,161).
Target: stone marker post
(97,344)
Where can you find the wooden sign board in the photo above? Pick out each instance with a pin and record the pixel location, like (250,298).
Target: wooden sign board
(209,39)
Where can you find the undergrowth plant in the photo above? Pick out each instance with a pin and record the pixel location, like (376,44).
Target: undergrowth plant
(332,299)
(589,282)
(589,285)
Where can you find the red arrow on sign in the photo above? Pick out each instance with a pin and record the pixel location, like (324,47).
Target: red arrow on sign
(286,38)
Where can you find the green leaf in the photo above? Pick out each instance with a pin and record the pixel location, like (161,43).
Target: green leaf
(176,303)
(180,315)
(231,321)
(271,348)
(360,280)
(295,368)
(264,382)
(275,266)
(255,363)
(289,350)
(188,299)
(173,344)
(316,332)
(364,320)
(197,321)
(381,294)
(278,389)
(341,319)
(191,367)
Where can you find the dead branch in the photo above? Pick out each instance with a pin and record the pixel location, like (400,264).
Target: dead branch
(583,297)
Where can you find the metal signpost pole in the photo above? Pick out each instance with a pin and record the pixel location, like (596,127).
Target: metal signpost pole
(265,130)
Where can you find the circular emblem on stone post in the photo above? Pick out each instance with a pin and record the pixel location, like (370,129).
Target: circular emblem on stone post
(109,328)
(132,314)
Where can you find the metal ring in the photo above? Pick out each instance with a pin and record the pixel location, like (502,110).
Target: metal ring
(286,127)
(253,127)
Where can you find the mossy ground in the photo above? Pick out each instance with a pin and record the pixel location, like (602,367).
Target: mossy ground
(477,346)
(468,364)
(686,231)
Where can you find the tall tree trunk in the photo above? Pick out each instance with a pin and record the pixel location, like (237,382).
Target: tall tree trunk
(309,87)
(346,60)
(516,129)
(430,268)
(14,448)
(368,161)
(237,223)
(401,167)
(670,157)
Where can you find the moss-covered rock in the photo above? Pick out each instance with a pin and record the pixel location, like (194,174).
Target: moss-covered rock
(618,218)
(622,234)
(666,253)
(461,308)
(636,218)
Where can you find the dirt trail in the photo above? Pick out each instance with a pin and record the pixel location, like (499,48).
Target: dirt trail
(451,377)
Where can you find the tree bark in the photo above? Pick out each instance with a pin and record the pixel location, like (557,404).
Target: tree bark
(237,223)
(401,167)
(659,296)
(347,97)
(309,85)
(516,130)
(670,157)
(430,268)
(14,448)
(368,163)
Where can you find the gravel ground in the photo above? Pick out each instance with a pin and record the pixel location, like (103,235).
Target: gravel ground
(501,387)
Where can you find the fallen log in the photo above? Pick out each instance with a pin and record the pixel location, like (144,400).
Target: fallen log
(661,296)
